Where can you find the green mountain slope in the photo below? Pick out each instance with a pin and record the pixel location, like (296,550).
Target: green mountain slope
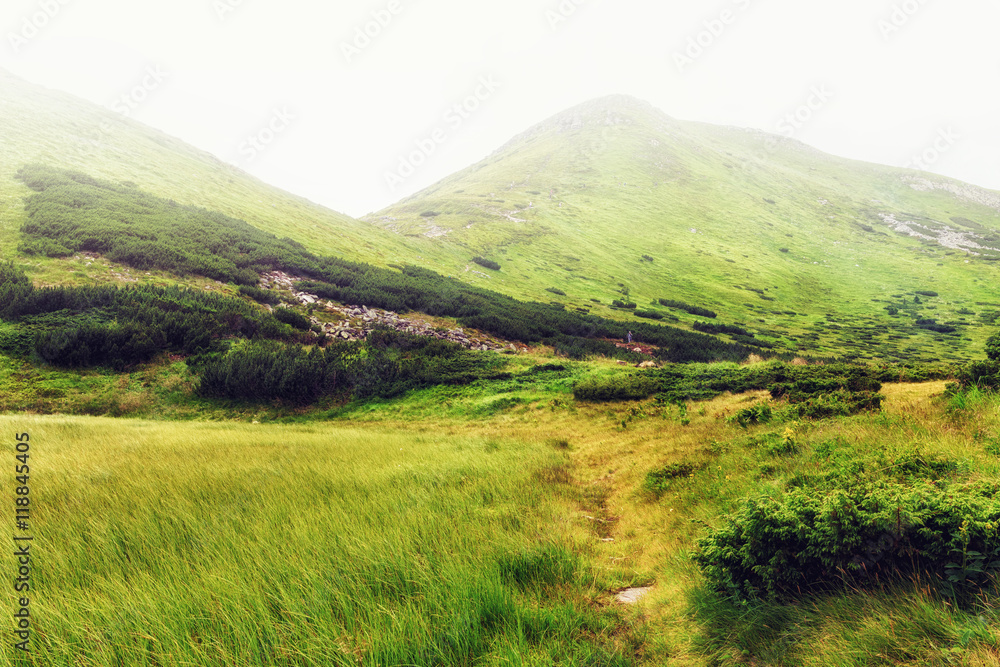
(810,250)
(41,126)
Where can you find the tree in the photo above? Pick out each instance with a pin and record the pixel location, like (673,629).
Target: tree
(993,347)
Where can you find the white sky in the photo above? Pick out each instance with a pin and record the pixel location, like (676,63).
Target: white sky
(231,69)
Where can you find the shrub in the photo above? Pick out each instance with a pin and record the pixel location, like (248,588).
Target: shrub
(44,246)
(289,316)
(804,541)
(694,310)
(707,327)
(755,414)
(260,295)
(486,263)
(555,290)
(622,304)
(616,388)
(993,347)
(649,314)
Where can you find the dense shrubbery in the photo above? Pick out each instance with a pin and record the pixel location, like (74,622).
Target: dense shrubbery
(814,391)
(85,326)
(260,295)
(627,305)
(387,364)
(616,388)
(984,374)
(44,246)
(649,314)
(694,310)
(808,541)
(555,290)
(146,232)
(932,325)
(143,231)
(730,329)
(290,317)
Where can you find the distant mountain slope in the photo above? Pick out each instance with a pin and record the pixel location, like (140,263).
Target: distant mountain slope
(42,126)
(815,251)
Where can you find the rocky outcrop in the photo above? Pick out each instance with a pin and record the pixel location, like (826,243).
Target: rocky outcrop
(356,322)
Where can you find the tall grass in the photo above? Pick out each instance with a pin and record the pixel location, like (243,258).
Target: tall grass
(229,544)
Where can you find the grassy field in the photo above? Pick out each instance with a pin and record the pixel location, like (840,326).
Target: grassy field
(458,537)
(225,544)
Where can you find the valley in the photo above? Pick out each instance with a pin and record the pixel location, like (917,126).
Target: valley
(266,433)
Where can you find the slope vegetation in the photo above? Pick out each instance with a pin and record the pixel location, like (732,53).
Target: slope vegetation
(815,253)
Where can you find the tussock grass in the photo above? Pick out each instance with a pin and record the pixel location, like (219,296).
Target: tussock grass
(229,544)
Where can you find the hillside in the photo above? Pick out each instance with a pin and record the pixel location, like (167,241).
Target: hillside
(43,126)
(803,248)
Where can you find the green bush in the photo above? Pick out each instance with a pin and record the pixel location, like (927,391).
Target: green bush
(808,542)
(694,310)
(289,316)
(555,290)
(993,347)
(44,246)
(486,263)
(616,388)
(627,305)
(260,295)
(755,414)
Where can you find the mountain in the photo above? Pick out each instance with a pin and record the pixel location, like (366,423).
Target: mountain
(816,253)
(41,126)
(610,200)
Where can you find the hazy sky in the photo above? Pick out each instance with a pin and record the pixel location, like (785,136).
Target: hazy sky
(341,101)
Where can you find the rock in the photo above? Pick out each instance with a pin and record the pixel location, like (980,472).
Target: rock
(647,364)
(632,595)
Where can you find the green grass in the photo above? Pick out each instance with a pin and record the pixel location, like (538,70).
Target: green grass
(639,187)
(488,524)
(222,544)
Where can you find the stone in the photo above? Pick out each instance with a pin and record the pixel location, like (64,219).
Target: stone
(632,595)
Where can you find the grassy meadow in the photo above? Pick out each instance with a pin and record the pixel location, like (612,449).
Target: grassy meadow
(163,543)
(405,535)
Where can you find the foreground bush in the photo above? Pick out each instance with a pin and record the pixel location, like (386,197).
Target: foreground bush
(806,542)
